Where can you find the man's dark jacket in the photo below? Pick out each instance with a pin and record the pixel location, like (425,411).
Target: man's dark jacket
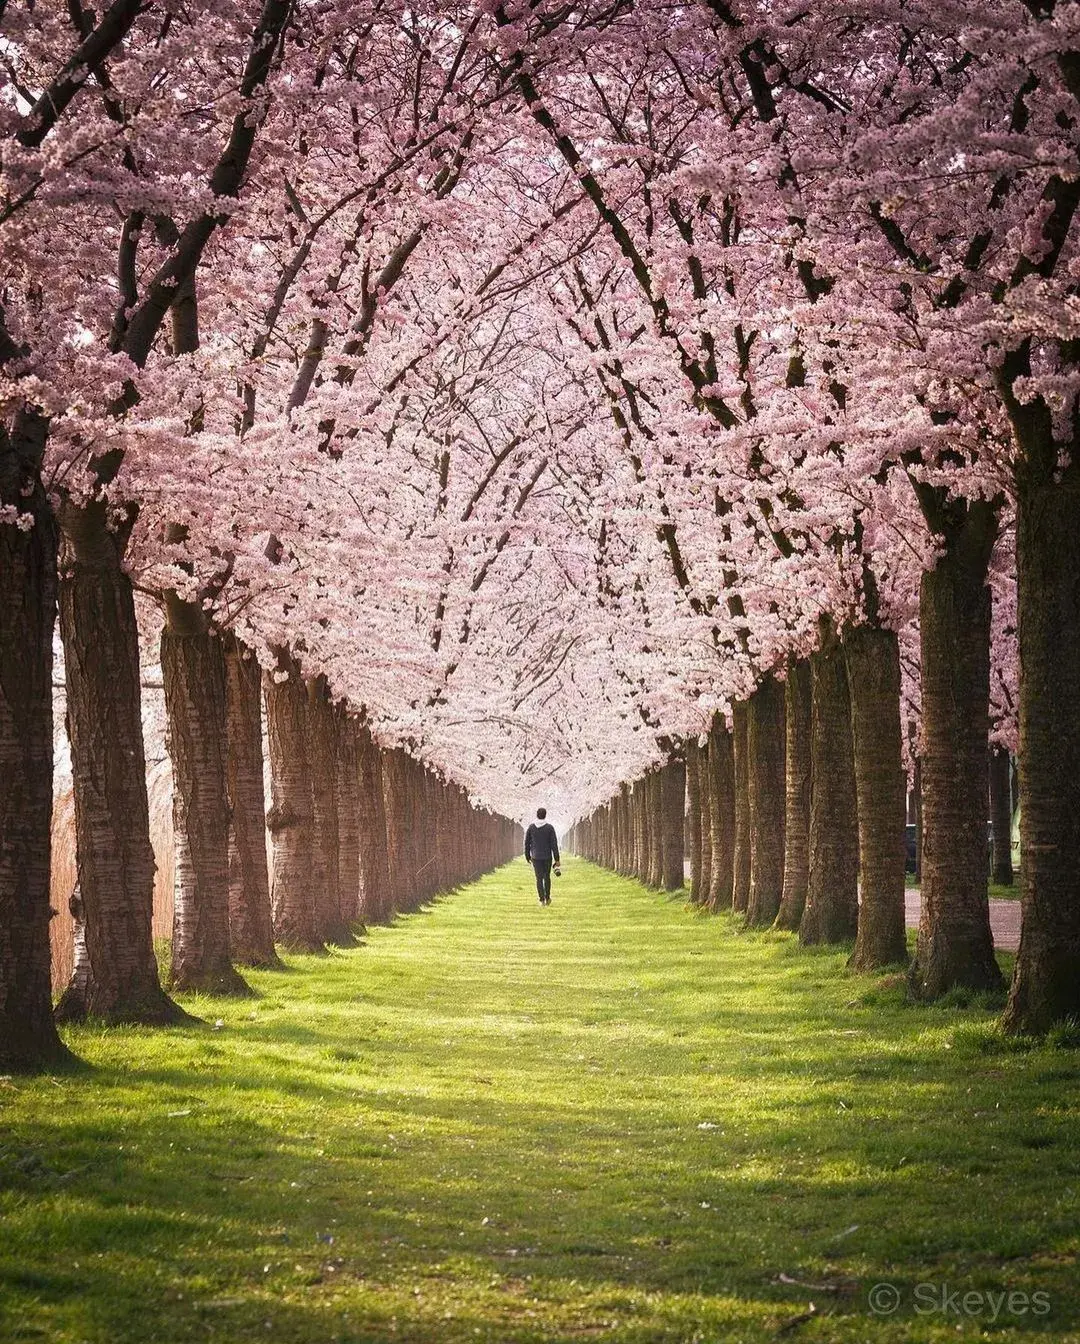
(541,843)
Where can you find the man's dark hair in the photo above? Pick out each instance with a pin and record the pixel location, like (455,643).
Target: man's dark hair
(541,813)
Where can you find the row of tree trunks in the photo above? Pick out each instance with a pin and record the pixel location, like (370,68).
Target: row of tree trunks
(642,831)
(359,833)
(821,783)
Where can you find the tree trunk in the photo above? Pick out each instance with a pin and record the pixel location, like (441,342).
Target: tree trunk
(393,774)
(721,765)
(640,799)
(325,835)
(873,671)
(705,787)
(291,816)
(673,812)
(108,766)
(797,708)
(916,790)
(625,853)
(251,925)
(1001,815)
(656,829)
(28,1036)
(740,896)
(832,893)
(374,870)
(1046,985)
(693,817)
(348,784)
(193,672)
(765,753)
(955,945)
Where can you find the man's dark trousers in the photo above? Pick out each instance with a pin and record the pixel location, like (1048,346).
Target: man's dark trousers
(542,869)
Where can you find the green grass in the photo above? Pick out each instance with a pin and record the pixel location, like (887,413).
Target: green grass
(616,1119)
(995,890)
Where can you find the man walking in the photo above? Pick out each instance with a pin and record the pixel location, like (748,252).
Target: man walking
(541,847)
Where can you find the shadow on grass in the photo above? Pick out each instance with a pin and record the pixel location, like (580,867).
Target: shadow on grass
(618,1123)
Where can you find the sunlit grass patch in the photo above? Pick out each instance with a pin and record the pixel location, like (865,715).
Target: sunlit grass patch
(613,1119)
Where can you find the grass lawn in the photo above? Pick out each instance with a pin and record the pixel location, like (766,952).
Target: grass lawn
(615,1119)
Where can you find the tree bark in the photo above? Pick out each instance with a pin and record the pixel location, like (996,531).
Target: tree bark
(393,777)
(673,811)
(955,945)
(740,896)
(705,787)
(693,817)
(28,1036)
(1001,815)
(193,672)
(1046,984)
(873,671)
(348,785)
(797,710)
(291,816)
(916,790)
(721,769)
(326,837)
(640,800)
(656,829)
(374,874)
(832,894)
(251,925)
(112,815)
(765,753)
